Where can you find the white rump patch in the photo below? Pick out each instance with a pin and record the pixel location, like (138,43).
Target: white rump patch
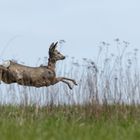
(6,63)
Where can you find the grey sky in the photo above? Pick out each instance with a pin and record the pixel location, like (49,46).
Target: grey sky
(34,24)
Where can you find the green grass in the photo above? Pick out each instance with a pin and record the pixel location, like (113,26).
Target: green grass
(70,123)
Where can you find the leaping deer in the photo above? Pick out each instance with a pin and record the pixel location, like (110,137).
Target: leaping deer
(12,72)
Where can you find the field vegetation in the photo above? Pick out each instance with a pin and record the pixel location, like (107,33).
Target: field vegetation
(104,105)
(70,122)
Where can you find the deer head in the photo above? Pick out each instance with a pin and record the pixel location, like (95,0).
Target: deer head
(54,54)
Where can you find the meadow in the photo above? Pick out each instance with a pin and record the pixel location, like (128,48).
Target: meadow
(70,122)
(104,105)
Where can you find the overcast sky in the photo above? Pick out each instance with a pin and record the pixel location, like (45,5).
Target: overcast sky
(27,27)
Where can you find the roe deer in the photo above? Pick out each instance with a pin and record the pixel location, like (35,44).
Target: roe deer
(12,72)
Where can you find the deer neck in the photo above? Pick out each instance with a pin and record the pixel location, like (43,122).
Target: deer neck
(51,64)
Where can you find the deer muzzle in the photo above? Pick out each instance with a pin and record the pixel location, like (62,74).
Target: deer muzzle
(63,57)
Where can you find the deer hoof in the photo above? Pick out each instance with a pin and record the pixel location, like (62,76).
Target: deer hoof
(75,82)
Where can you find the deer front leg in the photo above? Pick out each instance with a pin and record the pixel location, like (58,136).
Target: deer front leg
(69,85)
(72,80)
(62,80)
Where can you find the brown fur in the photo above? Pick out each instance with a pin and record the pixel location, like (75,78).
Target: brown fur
(35,76)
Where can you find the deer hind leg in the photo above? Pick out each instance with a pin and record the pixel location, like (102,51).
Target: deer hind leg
(0,75)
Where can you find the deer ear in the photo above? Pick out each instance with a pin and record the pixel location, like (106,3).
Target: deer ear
(54,46)
(51,46)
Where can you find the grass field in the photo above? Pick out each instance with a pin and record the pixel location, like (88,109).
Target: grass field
(70,123)
(94,110)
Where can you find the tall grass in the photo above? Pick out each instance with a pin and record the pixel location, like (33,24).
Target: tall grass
(104,105)
(110,78)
